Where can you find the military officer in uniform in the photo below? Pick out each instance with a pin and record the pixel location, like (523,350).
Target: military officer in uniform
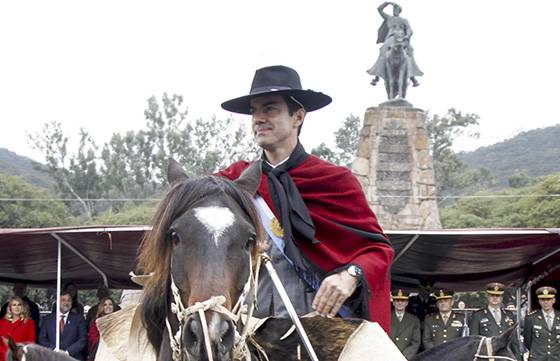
(444,325)
(405,327)
(542,328)
(492,320)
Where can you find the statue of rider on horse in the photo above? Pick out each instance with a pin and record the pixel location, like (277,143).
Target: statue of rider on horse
(395,64)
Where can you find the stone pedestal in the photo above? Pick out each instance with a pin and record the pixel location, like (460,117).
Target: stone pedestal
(395,168)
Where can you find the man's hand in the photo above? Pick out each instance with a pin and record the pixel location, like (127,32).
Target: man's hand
(334,290)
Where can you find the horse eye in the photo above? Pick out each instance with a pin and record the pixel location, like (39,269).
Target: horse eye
(172,236)
(250,241)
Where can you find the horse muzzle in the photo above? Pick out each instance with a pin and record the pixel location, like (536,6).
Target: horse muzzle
(220,336)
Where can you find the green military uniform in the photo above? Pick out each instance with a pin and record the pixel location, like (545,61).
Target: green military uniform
(543,341)
(483,321)
(405,333)
(435,331)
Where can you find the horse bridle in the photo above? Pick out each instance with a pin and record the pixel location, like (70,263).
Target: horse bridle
(489,351)
(216,304)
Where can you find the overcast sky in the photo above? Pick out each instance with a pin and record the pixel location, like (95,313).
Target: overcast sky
(93,64)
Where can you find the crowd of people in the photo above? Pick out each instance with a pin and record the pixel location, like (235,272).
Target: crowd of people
(420,323)
(79,335)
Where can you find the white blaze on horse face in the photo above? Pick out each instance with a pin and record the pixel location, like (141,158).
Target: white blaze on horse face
(215,219)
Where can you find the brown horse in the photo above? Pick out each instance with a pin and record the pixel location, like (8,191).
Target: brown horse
(201,251)
(203,239)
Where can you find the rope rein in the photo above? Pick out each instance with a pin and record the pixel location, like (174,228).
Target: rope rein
(216,304)
(489,351)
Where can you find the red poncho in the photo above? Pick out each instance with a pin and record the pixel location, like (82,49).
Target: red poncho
(334,197)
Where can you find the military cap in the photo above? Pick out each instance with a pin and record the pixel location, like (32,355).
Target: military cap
(399,294)
(546,292)
(495,288)
(442,294)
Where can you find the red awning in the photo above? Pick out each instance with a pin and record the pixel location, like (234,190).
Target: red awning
(459,259)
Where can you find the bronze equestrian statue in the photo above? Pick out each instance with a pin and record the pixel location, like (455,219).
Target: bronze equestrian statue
(395,64)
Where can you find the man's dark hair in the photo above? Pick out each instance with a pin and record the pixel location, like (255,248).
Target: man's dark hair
(292,108)
(292,105)
(65,293)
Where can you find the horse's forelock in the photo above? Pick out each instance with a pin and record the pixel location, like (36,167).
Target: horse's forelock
(245,201)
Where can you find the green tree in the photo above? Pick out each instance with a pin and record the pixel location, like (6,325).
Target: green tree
(130,215)
(533,206)
(76,175)
(131,167)
(452,175)
(324,152)
(25,206)
(519,180)
(346,140)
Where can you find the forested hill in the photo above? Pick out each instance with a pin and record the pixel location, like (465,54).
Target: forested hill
(536,152)
(17,165)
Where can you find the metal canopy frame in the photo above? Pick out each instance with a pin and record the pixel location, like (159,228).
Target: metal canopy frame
(61,241)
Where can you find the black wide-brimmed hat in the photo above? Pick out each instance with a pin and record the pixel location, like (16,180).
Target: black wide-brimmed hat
(278,80)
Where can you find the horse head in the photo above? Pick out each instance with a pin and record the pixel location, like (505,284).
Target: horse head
(33,352)
(203,240)
(502,345)
(473,348)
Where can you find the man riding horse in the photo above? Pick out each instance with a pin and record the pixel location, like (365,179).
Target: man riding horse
(203,253)
(325,242)
(395,30)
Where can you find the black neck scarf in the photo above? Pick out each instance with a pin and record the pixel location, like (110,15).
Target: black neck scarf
(294,216)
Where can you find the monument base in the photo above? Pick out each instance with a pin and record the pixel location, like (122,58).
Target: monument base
(396,103)
(395,168)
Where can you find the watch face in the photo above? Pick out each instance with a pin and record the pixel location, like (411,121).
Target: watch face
(354,271)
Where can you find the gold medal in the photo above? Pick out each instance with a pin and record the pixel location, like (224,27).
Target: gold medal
(276,228)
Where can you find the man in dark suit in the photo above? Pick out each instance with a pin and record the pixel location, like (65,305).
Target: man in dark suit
(444,325)
(73,333)
(542,328)
(405,327)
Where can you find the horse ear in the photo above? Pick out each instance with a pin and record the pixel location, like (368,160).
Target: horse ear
(505,339)
(175,172)
(11,344)
(250,179)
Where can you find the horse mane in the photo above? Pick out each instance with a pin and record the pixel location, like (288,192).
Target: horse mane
(155,250)
(34,352)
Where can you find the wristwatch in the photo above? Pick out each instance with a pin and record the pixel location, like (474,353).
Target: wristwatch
(355,271)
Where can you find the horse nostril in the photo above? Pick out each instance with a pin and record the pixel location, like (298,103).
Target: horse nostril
(227,338)
(192,337)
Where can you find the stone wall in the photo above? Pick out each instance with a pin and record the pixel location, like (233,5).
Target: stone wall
(395,168)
